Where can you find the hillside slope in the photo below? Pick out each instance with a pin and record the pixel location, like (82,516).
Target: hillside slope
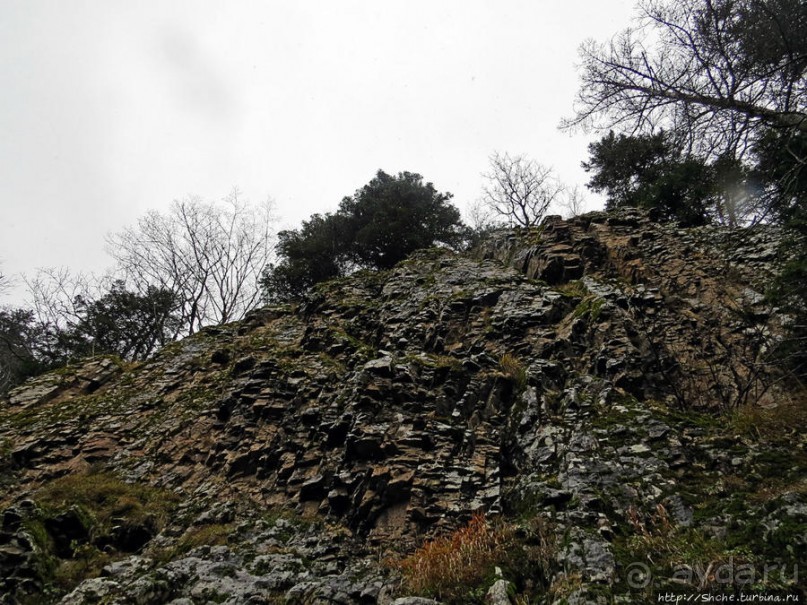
(598,388)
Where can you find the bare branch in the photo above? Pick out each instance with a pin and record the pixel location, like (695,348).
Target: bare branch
(210,255)
(572,202)
(519,189)
(701,68)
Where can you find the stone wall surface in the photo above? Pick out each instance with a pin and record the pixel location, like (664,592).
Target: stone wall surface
(591,373)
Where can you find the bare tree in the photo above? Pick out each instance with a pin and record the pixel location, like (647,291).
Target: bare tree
(716,71)
(54,295)
(572,202)
(209,255)
(519,189)
(479,217)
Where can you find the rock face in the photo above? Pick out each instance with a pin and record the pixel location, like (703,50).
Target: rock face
(606,375)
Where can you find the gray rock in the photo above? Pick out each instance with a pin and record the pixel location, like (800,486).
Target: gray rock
(497,594)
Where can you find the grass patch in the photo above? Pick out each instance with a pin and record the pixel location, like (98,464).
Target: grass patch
(778,423)
(460,567)
(85,521)
(590,307)
(513,369)
(688,558)
(87,562)
(105,496)
(573,289)
(216,534)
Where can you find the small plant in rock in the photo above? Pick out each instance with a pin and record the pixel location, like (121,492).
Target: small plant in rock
(685,555)
(590,307)
(573,289)
(512,368)
(564,585)
(657,528)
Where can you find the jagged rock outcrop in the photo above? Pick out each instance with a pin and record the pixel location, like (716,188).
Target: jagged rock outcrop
(581,373)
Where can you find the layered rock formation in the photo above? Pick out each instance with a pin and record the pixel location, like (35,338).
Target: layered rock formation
(606,376)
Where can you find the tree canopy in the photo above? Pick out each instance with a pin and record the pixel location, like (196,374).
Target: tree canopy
(209,255)
(128,324)
(375,228)
(718,73)
(118,322)
(392,216)
(306,256)
(653,171)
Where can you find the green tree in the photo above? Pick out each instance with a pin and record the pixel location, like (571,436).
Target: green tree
(650,171)
(392,216)
(782,168)
(377,227)
(119,321)
(128,324)
(306,256)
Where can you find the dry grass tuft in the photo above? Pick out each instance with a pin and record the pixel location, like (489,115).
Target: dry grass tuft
(512,367)
(447,567)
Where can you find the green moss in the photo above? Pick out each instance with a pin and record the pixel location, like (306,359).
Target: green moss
(435,361)
(87,562)
(621,413)
(360,348)
(293,525)
(104,496)
(573,289)
(101,500)
(590,307)
(35,528)
(215,534)
(83,407)
(710,423)
(533,235)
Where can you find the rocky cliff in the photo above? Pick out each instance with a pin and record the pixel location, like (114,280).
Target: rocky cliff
(595,396)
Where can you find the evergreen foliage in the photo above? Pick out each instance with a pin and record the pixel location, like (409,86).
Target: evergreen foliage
(124,323)
(781,159)
(376,228)
(652,171)
(20,344)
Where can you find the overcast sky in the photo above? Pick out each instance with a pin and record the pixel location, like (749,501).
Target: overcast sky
(110,108)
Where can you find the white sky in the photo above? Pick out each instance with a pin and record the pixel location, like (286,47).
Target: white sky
(110,108)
